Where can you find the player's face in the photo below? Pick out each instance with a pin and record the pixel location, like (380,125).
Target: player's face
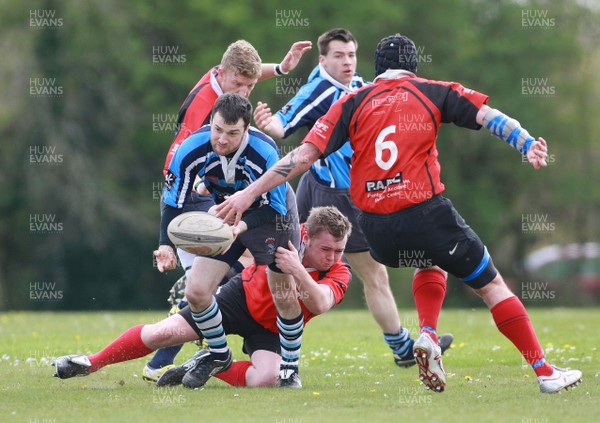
(226,138)
(322,251)
(231,82)
(340,61)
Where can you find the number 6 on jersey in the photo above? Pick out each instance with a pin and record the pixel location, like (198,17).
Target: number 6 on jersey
(381,145)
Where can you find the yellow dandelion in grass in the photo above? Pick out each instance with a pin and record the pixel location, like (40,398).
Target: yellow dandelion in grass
(469,379)
(316,394)
(526,376)
(461,345)
(313,358)
(77,337)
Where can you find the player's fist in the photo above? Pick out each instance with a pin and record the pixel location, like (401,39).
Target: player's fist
(287,259)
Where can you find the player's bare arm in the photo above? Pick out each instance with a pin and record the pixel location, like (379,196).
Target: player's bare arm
(289,62)
(293,164)
(266,122)
(316,297)
(510,130)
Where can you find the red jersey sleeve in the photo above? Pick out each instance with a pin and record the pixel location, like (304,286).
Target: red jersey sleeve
(337,278)
(193,114)
(457,104)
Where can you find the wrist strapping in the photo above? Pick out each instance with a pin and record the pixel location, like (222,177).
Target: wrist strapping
(279,71)
(508,129)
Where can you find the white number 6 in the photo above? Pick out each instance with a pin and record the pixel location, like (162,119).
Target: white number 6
(381,145)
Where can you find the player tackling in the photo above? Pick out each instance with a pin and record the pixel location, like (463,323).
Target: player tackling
(320,280)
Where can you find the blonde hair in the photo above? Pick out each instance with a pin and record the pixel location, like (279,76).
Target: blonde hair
(242,58)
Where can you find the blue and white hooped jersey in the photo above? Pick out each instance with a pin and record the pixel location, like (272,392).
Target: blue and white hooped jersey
(311,102)
(223,175)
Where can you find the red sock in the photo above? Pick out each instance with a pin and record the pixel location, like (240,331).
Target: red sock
(236,374)
(429,290)
(513,322)
(126,347)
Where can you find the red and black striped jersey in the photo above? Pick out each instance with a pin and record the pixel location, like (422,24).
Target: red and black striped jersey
(393,125)
(195,111)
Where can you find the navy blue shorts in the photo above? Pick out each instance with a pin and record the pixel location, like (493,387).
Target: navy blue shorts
(237,319)
(428,234)
(310,193)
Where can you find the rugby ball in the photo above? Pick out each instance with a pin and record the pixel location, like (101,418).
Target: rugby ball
(200,233)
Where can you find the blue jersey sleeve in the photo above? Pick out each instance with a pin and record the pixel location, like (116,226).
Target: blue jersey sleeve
(310,103)
(188,161)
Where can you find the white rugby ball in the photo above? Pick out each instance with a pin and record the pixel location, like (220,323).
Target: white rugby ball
(200,233)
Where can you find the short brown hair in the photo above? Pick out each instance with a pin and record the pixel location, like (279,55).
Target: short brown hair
(242,58)
(328,219)
(340,34)
(232,108)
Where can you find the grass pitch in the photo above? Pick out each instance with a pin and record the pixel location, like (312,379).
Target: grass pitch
(347,372)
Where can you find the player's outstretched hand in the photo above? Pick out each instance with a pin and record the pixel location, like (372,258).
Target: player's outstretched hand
(292,58)
(165,258)
(538,153)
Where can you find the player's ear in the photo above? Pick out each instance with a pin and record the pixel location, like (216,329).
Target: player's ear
(305,238)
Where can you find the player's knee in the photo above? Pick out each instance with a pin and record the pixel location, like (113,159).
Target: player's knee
(494,291)
(266,376)
(199,293)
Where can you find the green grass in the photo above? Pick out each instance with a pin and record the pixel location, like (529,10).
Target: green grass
(347,373)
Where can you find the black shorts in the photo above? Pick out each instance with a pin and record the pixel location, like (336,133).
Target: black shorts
(237,319)
(310,193)
(261,241)
(428,234)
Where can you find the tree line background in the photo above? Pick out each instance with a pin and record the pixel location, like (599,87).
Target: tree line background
(91,89)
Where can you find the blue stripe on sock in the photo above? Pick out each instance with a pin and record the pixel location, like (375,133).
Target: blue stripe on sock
(538,363)
(400,343)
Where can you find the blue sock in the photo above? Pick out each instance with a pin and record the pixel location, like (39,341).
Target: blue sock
(400,343)
(164,356)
